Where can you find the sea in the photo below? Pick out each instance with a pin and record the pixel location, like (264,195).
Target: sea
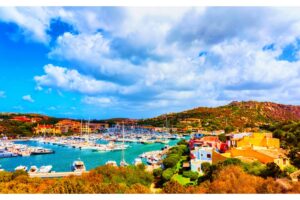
(63,157)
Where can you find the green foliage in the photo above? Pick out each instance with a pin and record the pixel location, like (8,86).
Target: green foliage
(167,174)
(229,129)
(222,137)
(254,168)
(182,142)
(272,170)
(232,161)
(171,160)
(289,135)
(157,172)
(189,174)
(290,169)
(205,167)
(17,173)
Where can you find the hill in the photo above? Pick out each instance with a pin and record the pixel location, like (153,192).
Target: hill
(245,114)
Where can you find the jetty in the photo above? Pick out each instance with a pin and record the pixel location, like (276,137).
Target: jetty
(55,174)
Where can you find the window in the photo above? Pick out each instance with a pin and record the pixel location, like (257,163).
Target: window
(208,155)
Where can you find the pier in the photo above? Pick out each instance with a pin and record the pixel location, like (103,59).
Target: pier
(55,174)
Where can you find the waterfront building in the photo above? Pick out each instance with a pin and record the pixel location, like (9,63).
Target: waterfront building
(200,155)
(47,129)
(254,140)
(211,141)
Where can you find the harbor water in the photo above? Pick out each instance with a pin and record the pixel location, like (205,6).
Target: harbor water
(64,156)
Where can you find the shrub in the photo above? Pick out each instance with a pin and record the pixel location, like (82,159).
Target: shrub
(157,172)
(189,174)
(167,174)
(170,161)
(205,167)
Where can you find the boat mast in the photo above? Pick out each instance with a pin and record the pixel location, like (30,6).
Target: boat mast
(123,153)
(81,127)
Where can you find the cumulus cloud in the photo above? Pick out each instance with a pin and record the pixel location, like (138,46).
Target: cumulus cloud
(28,98)
(153,58)
(98,101)
(72,80)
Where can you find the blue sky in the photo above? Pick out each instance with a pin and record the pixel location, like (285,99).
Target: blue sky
(89,62)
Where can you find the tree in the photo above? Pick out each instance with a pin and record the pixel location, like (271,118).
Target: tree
(167,174)
(222,137)
(205,167)
(272,170)
(157,172)
(189,174)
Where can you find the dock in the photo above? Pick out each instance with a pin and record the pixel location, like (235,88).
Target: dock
(55,174)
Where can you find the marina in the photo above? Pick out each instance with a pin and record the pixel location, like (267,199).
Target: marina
(69,149)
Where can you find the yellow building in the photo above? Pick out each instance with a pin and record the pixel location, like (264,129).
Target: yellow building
(259,140)
(47,129)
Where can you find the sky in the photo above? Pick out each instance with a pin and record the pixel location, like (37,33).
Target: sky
(104,62)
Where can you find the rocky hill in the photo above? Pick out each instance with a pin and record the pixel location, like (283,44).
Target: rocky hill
(246,114)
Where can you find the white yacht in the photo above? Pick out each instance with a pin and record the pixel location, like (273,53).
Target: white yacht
(111,162)
(45,169)
(1,169)
(33,169)
(78,166)
(21,167)
(138,161)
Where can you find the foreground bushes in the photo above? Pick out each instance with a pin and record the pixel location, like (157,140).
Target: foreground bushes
(233,179)
(104,179)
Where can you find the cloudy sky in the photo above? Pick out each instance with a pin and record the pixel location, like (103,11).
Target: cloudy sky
(141,62)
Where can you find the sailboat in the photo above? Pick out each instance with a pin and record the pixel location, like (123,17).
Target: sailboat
(123,163)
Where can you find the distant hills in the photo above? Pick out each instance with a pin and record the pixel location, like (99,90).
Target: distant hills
(241,115)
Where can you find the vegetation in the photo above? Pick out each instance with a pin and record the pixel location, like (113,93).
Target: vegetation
(104,179)
(234,116)
(289,135)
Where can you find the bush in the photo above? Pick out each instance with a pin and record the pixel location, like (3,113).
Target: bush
(17,173)
(232,161)
(290,169)
(189,174)
(272,170)
(167,174)
(157,172)
(205,167)
(171,161)
(182,142)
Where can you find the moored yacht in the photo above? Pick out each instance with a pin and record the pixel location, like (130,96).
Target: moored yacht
(111,162)
(78,166)
(21,167)
(33,169)
(45,169)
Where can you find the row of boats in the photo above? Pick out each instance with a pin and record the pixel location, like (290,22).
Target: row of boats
(77,166)
(10,149)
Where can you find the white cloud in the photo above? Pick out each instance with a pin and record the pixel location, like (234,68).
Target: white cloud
(149,57)
(72,80)
(28,98)
(98,101)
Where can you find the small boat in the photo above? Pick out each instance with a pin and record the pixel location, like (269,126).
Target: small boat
(21,167)
(138,161)
(45,169)
(111,162)
(33,169)
(78,166)
(1,169)
(37,151)
(25,153)
(123,163)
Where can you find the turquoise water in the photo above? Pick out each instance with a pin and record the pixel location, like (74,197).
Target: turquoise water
(63,157)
